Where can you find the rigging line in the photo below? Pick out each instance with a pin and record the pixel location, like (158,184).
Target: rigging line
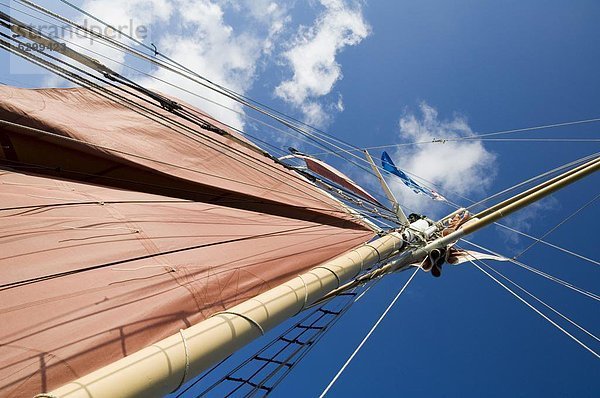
(536,310)
(31,57)
(225,91)
(361,158)
(537,139)
(455,205)
(532,179)
(120,47)
(332,382)
(557,226)
(82,70)
(231,94)
(315,340)
(538,272)
(186,68)
(308,135)
(548,244)
(150,102)
(475,137)
(537,299)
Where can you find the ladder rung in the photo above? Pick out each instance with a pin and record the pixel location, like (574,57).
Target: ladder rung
(272,361)
(329,312)
(244,381)
(311,327)
(295,341)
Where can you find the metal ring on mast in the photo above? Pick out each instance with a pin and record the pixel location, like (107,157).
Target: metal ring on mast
(305,294)
(252,321)
(337,278)
(187,360)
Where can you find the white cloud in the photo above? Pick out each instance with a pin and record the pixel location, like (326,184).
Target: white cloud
(201,35)
(312,57)
(453,168)
(197,35)
(208,45)
(133,17)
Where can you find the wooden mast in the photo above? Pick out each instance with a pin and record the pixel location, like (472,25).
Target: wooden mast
(164,366)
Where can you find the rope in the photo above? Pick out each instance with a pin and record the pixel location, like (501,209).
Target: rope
(312,137)
(538,299)
(135,104)
(538,272)
(548,244)
(532,179)
(326,390)
(478,136)
(557,226)
(536,310)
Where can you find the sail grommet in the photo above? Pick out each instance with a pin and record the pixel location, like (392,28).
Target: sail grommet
(187,360)
(246,317)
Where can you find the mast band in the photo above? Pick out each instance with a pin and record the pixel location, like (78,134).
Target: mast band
(337,278)
(305,294)
(187,361)
(246,317)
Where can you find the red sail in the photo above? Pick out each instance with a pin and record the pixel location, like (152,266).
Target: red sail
(323,169)
(118,230)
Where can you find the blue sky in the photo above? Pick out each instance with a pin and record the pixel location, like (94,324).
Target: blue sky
(468,66)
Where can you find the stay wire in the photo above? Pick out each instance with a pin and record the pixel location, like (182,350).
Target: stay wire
(495,133)
(457,206)
(566,219)
(377,205)
(362,343)
(234,95)
(537,311)
(308,135)
(235,129)
(211,85)
(409,173)
(529,268)
(562,249)
(29,56)
(535,178)
(478,136)
(537,299)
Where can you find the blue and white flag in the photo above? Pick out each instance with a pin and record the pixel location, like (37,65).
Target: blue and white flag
(388,165)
